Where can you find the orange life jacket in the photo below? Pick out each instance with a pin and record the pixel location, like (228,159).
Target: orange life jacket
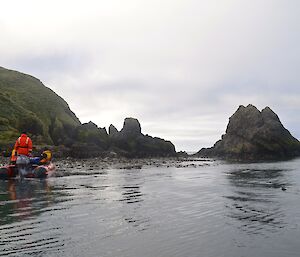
(23,145)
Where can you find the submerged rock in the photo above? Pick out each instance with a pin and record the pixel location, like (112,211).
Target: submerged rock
(254,135)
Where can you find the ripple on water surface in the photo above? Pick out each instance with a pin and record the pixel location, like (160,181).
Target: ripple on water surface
(188,209)
(23,229)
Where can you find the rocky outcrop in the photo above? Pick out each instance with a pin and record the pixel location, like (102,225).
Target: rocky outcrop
(131,128)
(132,143)
(90,133)
(254,135)
(91,141)
(88,141)
(112,130)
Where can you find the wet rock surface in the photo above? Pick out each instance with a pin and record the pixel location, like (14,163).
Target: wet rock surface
(96,166)
(70,166)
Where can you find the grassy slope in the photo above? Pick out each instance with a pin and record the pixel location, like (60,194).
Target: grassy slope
(25,103)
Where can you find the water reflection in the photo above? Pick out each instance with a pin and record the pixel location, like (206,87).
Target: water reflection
(254,199)
(22,199)
(20,232)
(132,195)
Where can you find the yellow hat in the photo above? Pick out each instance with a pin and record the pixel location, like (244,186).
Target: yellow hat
(47,154)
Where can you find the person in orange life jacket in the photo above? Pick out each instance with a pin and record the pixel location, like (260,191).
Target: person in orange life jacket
(23,145)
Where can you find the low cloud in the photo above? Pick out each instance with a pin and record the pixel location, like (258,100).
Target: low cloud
(181,67)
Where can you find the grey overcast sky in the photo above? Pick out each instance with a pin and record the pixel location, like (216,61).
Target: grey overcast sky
(182,67)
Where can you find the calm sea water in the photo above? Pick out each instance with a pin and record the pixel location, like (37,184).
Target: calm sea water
(220,209)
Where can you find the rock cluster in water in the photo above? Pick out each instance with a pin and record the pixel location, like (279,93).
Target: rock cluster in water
(253,135)
(129,142)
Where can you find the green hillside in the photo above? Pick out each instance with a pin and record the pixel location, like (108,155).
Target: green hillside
(26,104)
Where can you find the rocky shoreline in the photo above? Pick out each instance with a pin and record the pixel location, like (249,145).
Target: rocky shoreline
(124,163)
(71,166)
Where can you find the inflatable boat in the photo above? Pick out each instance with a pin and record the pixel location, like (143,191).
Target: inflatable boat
(28,171)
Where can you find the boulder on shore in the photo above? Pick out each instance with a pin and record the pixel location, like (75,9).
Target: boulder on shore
(254,135)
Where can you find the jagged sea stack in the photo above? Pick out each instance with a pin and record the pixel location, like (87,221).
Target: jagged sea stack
(112,130)
(254,135)
(133,143)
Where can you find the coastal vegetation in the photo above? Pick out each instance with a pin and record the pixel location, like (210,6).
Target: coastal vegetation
(27,105)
